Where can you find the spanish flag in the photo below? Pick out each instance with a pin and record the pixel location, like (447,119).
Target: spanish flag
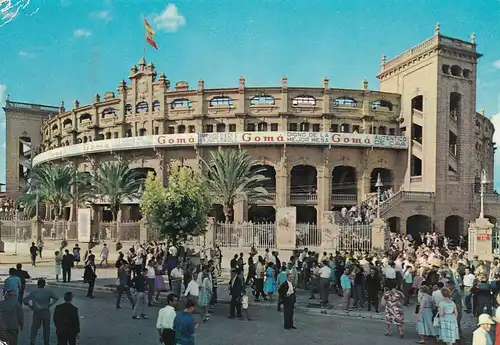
(150,34)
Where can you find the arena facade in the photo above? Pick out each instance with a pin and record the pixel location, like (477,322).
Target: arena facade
(323,147)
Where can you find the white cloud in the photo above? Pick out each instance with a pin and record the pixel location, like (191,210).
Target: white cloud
(25,54)
(169,20)
(103,15)
(496,64)
(82,33)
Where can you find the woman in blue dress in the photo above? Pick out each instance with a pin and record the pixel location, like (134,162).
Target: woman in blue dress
(205,295)
(448,326)
(270,284)
(425,326)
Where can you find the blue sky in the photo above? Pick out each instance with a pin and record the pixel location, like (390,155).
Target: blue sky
(57,50)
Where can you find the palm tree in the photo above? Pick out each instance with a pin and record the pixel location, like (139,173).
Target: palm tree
(233,175)
(56,186)
(115,182)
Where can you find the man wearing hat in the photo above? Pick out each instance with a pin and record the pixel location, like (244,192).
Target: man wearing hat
(236,289)
(481,335)
(456,297)
(11,318)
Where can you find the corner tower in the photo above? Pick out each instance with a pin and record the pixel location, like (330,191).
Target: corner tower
(437,83)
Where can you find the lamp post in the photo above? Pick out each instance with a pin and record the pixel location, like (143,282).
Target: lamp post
(16,227)
(378,185)
(483,183)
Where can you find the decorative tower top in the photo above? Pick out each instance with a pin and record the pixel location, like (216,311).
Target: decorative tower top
(76,104)
(284,82)
(122,85)
(97,98)
(365,84)
(201,84)
(142,64)
(473,38)
(325,82)
(133,69)
(61,108)
(384,59)
(242,83)
(437,28)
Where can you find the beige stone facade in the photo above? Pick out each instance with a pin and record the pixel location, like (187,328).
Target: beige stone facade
(420,133)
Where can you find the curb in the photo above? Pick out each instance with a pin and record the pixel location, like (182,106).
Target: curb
(300,309)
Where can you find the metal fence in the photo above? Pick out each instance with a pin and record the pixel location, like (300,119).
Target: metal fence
(12,230)
(307,235)
(259,235)
(59,230)
(495,240)
(357,238)
(122,231)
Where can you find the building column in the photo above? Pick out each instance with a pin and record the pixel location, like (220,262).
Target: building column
(362,184)
(240,212)
(324,191)
(282,187)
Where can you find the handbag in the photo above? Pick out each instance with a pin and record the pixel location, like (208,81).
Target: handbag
(435,322)
(417,308)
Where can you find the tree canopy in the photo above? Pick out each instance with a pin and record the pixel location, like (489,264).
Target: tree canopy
(180,209)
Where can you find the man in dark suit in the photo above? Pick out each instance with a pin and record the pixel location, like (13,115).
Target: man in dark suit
(23,275)
(287,295)
(236,288)
(67,321)
(67,264)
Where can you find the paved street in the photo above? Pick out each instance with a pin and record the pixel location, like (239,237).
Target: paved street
(102,324)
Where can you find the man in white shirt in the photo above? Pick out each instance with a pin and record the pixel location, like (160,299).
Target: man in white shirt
(324,282)
(192,291)
(165,322)
(468,281)
(104,254)
(176,279)
(151,280)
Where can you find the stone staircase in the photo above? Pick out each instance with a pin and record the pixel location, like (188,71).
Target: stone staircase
(405,196)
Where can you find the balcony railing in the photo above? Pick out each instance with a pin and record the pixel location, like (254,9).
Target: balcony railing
(403,196)
(303,198)
(337,199)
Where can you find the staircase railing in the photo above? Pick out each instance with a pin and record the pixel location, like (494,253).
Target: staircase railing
(402,196)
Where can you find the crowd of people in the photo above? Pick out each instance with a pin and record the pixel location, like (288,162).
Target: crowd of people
(426,271)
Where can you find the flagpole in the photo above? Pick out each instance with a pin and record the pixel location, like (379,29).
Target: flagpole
(144,38)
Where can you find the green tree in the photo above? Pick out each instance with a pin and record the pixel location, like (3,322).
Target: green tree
(178,210)
(233,175)
(115,182)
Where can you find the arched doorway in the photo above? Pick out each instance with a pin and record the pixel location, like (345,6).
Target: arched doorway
(262,214)
(453,227)
(418,224)
(303,180)
(394,225)
(269,172)
(386,177)
(344,180)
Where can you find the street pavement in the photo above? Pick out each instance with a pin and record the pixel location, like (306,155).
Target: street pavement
(102,324)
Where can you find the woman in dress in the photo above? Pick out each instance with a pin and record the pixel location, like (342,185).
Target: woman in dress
(58,260)
(448,326)
(270,283)
(205,295)
(159,281)
(393,301)
(425,326)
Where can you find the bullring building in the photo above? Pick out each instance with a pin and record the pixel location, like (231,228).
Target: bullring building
(323,147)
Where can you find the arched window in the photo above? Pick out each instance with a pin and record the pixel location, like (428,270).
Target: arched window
(142,132)
(67,142)
(417,103)
(108,135)
(181,103)
(262,127)
(262,100)
(67,123)
(345,102)
(142,107)
(304,100)
(220,128)
(85,117)
(382,130)
(382,104)
(221,101)
(455,104)
(55,128)
(345,128)
(128,109)
(108,112)
(85,139)
(156,105)
(456,71)
(181,129)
